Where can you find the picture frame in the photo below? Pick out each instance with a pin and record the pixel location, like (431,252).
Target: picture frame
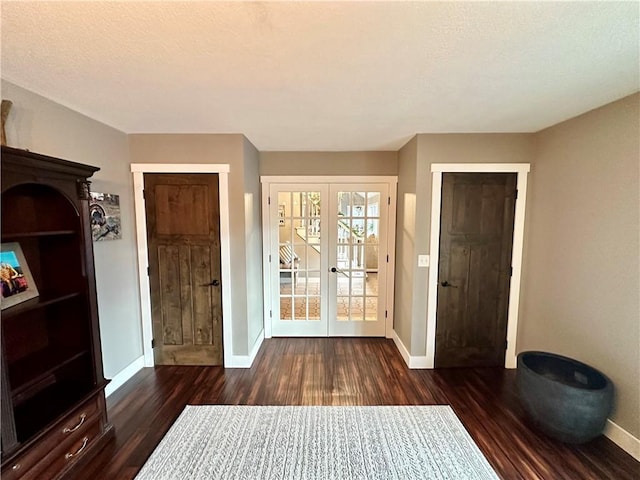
(17,284)
(104,213)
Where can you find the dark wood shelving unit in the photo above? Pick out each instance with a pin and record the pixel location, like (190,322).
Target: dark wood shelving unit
(52,377)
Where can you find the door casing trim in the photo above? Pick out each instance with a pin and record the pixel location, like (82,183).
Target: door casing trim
(437,169)
(138,170)
(391,181)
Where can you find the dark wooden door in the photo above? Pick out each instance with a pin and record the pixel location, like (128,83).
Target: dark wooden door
(183,231)
(476,237)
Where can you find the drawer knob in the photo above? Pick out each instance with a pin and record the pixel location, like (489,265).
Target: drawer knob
(16,467)
(79,451)
(69,430)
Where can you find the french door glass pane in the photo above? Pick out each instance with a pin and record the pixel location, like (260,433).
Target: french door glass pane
(357,250)
(299,229)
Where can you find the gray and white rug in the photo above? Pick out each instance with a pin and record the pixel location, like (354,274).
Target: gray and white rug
(314,443)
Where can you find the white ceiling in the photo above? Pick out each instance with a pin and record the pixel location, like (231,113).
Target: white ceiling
(324,75)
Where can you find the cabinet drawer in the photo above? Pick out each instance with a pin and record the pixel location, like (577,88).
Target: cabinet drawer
(65,455)
(67,431)
(73,422)
(70,426)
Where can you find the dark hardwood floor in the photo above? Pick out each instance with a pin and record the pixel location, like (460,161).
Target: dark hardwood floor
(350,372)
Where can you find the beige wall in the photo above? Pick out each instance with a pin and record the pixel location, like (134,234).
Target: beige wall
(253,236)
(187,148)
(581,281)
(477,148)
(43,126)
(328,163)
(212,149)
(406,256)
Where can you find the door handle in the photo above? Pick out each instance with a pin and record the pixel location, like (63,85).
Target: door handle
(447,284)
(214,283)
(334,270)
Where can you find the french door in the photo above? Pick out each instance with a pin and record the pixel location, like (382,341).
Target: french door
(357,255)
(328,245)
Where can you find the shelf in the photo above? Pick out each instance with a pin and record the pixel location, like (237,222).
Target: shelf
(39,411)
(52,233)
(42,301)
(32,374)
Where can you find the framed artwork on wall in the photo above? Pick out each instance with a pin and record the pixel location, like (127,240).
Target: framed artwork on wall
(104,210)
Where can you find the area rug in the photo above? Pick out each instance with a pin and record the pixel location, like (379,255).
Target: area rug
(314,443)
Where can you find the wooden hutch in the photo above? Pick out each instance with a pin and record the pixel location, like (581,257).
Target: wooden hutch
(53,404)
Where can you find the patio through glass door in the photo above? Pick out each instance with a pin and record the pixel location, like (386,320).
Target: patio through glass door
(328,251)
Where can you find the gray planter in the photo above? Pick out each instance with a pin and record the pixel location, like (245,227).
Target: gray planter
(566,399)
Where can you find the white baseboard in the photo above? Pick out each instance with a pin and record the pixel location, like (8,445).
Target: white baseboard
(245,361)
(401,348)
(623,439)
(413,362)
(124,375)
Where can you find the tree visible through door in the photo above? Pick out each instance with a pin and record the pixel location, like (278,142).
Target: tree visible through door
(184,267)
(476,237)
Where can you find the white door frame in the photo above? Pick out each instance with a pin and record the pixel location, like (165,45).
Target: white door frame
(437,169)
(268,232)
(138,170)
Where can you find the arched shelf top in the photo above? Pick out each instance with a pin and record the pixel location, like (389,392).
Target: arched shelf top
(35,209)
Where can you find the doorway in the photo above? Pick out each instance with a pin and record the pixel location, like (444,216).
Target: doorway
(222,170)
(329,262)
(436,289)
(474,268)
(183,234)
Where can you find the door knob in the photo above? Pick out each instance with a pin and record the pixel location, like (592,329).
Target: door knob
(334,270)
(447,284)
(214,283)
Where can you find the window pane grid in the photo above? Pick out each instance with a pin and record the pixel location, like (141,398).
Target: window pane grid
(299,240)
(357,255)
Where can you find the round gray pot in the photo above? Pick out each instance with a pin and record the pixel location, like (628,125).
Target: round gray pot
(566,399)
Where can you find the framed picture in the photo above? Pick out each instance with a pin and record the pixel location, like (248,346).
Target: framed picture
(104,209)
(17,282)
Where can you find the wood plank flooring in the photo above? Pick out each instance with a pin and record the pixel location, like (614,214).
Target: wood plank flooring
(340,371)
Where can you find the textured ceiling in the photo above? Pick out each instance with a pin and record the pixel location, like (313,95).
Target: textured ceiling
(324,75)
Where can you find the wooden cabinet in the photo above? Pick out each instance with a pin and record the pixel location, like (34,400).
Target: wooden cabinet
(53,406)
